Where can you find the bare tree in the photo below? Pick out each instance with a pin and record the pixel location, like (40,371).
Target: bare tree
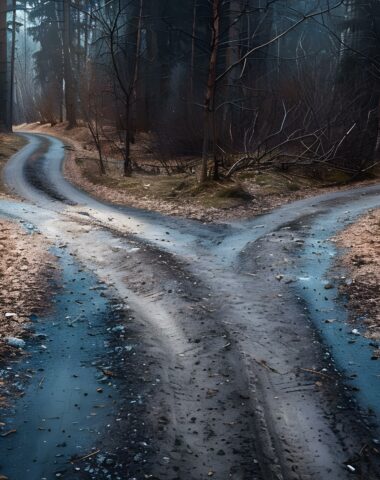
(216,77)
(209,103)
(13,58)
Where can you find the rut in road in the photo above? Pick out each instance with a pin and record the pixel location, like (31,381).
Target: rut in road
(234,347)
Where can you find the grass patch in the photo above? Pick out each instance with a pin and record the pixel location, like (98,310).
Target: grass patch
(220,195)
(175,188)
(182,188)
(234,191)
(333,175)
(278,183)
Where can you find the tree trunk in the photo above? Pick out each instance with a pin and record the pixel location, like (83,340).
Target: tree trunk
(209,103)
(127,152)
(136,66)
(231,115)
(78,45)
(192,62)
(4,90)
(12,80)
(70,98)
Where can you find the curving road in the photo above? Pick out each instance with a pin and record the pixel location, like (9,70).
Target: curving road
(231,319)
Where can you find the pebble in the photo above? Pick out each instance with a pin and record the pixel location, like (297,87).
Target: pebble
(16,342)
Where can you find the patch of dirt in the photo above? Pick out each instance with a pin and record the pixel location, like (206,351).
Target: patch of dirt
(9,145)
(362,260)
(25,270)
(249,195)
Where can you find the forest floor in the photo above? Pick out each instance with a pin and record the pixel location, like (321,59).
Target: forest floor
(26,271)
(26,268)
(248,195)
(361,260)
(9,145)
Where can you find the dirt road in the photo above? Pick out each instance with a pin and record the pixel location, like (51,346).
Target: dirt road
(212,344)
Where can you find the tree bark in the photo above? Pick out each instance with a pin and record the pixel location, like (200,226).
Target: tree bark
(209,103)
(70,97)
(377,147)
(127,152)
(13,52)
(136,65)
(4,86)
(231,113)
(192,61)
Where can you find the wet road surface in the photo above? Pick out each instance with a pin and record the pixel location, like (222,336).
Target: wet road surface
(229,350)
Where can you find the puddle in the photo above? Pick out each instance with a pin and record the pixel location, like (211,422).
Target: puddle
(65,408)
(351,352)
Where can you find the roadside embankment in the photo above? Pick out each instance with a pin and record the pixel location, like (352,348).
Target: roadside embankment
(248,194)
(26,269)
(361,242)
(9,145)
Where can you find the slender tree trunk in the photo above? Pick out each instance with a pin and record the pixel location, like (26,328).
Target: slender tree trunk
(12,80)
(70,97)
(377,148)
(192,64)
(209,131)
(127,153)
(131,95)
(59,18)
(4,90)
(87,20)
(136,67)
(230,114)
(79,29)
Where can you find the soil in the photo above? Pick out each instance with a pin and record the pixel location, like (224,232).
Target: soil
(249,195)
(26,267)
(362,260)
(9,145)
(25,270)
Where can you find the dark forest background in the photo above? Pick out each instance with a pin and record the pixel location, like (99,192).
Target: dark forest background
(236,84)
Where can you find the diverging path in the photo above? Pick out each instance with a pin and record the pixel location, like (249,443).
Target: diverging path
(236,377)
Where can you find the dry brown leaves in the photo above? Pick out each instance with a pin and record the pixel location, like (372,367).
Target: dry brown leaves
(362,240)
(25,270)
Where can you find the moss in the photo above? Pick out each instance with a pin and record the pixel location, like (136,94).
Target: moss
(335,176)
(249,175)
(293,187)
(225,194)
(235,191)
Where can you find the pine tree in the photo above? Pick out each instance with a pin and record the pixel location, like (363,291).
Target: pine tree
(47,31)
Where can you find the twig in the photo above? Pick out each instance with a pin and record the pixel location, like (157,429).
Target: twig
(8,433)
(75,320)
(264,364)
(86,456)
(362,449)
(315,372)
